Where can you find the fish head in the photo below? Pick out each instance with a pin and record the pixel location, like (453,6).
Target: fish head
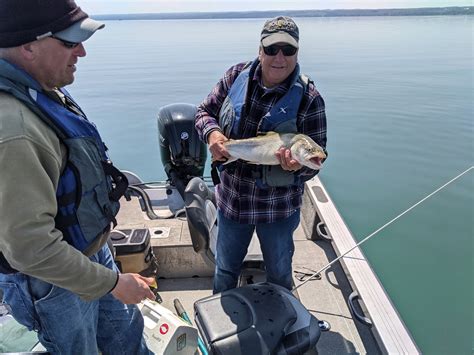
(307,152)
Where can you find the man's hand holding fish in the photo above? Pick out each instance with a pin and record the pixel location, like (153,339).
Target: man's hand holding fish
(286,160)
(216,141)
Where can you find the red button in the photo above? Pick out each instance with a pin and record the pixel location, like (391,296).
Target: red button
(164,328)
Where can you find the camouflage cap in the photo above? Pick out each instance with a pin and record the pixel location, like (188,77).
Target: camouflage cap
(281,29)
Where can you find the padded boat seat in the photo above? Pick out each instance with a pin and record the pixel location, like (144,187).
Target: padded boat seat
(262,318)
(201,214)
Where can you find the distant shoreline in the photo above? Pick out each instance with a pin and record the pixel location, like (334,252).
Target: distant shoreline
(424,11)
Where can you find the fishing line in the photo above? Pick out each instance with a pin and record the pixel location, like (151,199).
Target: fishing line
(381,228)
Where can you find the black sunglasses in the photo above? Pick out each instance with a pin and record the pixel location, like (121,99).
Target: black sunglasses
(65,43)
(273,50)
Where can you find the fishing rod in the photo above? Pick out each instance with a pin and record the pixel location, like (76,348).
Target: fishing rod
(381,228)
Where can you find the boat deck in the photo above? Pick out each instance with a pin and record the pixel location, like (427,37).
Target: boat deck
(185,275)
(320,238)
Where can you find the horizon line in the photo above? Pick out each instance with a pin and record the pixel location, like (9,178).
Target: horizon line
(287,10)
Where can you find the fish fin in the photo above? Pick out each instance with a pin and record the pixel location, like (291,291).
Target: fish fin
(269,133)
(230,160)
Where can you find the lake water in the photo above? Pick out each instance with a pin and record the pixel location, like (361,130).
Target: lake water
(399,96)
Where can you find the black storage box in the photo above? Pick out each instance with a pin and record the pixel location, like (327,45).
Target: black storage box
(132,249)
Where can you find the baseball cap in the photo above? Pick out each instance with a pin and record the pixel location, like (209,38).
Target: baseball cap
(281,29)
(23,21)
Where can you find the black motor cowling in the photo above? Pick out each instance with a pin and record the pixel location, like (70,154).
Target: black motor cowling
(182,153)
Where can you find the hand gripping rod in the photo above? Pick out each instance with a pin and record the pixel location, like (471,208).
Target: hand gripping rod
(383,227)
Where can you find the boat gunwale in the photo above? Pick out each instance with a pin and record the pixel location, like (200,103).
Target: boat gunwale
(390,332)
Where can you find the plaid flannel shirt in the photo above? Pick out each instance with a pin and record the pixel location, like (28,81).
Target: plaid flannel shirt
(238,197)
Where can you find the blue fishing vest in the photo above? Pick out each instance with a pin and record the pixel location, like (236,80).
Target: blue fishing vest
(281,118)
(89,187)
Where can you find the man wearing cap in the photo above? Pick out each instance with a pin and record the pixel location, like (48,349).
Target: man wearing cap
(267,94)
(59,192)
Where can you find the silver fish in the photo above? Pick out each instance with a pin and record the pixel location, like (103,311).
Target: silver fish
(262,149)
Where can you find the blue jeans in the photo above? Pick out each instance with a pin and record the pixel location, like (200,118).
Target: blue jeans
(68,325)
(276,241)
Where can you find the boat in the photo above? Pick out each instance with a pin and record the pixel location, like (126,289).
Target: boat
(170,227)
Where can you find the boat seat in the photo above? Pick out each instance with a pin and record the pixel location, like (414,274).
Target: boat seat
(201,213)
(262,318)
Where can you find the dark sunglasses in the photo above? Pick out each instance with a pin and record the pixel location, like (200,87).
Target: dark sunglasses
(66,44)
(273,50)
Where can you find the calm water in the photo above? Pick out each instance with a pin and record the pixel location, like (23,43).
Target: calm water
(399,96)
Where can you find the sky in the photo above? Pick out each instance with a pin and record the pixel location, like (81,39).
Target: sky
(97,7)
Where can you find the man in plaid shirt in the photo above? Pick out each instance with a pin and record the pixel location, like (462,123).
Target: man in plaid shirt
(254,197)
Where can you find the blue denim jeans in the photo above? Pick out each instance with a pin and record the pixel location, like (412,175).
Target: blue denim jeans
(68,325)
(276,242)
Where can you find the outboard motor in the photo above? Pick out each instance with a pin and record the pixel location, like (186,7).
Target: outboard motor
(182,153)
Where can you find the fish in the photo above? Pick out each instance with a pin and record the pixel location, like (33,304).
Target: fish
(261,149)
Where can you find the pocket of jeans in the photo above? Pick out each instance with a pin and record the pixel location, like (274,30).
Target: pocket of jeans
(40,289)
(58,298)
(61,308)
(20,304)
(53,295)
